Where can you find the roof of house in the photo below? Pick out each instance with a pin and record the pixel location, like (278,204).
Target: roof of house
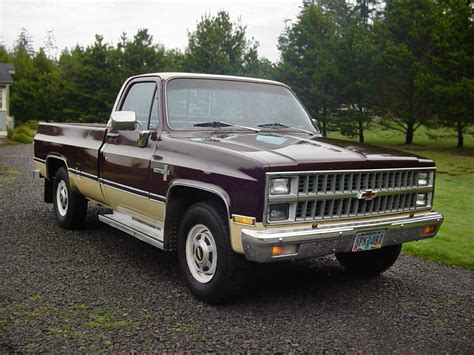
(6,69)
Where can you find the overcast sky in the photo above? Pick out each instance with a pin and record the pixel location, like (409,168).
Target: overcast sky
(76,22)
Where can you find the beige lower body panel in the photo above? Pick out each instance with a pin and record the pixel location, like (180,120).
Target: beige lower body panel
(141,207)
(89,188)
(149,210)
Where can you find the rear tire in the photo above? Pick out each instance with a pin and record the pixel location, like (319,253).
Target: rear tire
(70,206)
(369,263)
(212,270)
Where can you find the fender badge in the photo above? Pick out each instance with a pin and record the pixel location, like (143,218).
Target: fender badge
(163,170)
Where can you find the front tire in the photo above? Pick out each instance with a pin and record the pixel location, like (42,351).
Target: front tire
(369,263)
(70,206)
(212,270)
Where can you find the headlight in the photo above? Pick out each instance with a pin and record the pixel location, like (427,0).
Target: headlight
(278,212)
(280,186)
(421,200)
(423,178)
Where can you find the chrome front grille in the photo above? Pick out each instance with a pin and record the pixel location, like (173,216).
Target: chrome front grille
(347,182)
(354,207)
(343,194)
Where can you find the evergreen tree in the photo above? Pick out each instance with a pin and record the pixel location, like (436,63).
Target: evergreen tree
(219,46)
(90,82)
(141,55)
(308,62)
(355,52)
(404,63)
(453,92)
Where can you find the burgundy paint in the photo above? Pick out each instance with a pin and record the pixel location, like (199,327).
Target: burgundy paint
(233,160)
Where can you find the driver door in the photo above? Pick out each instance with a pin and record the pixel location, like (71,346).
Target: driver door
(124,162)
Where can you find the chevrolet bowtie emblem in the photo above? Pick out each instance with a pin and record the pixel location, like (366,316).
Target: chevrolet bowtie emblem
(367,195)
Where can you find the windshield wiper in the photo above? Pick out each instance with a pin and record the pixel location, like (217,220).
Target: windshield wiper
(218,124)
(277,125)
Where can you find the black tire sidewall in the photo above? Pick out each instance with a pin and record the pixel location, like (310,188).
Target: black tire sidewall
(66,220)
(220,287)
(369,263)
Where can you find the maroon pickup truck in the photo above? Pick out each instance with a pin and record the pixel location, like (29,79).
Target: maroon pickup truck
(230,170)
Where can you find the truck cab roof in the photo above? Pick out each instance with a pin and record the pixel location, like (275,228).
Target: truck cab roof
(175,75)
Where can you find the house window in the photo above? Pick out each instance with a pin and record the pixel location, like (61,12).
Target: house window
(2,98)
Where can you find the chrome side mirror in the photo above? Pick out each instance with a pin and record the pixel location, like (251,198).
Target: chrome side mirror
(123,120)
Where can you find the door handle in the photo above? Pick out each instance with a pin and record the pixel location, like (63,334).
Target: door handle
(112,135)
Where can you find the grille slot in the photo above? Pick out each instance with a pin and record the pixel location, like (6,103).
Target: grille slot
(354,182)
(353,207)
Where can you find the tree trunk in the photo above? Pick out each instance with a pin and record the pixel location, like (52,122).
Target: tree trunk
(410,132)
(460,135)
(361,132)
(325,128)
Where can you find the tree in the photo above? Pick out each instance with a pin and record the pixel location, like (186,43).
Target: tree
(453,91)
(21,93)
(308,62)
(5,57)
(90,82)
(367,10)
(35,88)
(141,55)
(50,46)
(24,43)
(340,10)
(355,52)
(219,46)
(404,63)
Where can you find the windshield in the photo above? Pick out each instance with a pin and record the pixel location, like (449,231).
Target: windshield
(193,103)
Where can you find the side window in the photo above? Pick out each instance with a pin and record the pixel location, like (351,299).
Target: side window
(154,118)
(139,99)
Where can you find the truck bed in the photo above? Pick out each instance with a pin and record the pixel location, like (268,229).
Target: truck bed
(79,142)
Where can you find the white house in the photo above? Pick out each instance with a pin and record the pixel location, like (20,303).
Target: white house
(6,121)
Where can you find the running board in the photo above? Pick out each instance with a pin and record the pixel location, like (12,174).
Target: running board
(128,224)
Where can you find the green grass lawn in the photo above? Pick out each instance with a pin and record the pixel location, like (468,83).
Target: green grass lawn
(454,195)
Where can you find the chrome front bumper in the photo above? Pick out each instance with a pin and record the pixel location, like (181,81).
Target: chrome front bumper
(334,238)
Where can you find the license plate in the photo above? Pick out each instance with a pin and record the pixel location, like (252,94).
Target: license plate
(368,241)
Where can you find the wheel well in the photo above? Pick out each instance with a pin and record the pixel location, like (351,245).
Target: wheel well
(178,201)
(52,166)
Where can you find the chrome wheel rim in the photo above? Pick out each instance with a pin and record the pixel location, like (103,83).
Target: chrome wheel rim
(201,253)
(62,198)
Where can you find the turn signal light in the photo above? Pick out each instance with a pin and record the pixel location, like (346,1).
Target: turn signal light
(244,220)
(277,250)
(282,250)
(428,229)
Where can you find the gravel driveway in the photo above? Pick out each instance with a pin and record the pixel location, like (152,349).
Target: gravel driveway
(100,289)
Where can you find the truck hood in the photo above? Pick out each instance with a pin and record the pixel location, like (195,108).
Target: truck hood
(300,152)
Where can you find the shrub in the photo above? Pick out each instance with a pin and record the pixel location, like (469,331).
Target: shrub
(9,133)
(32,124)
(25,130)
(22,138)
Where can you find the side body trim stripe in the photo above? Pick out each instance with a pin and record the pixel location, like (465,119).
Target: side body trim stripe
(116,185)
(39,160)
(133,190)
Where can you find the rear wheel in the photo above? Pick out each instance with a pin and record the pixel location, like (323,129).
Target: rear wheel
(70,206)
(369,263)
(212,270)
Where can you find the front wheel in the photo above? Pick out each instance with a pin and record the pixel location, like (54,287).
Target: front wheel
(369,263)
(212,270)
(70,206)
